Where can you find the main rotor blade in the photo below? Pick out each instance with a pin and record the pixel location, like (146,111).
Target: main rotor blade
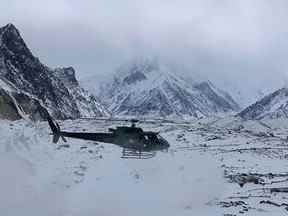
(134,120)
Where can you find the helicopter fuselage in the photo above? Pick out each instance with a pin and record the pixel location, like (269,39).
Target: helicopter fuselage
(145,141)
(126,137)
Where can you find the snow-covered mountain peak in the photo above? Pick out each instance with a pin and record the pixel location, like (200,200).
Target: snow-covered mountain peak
(10,38)
(10,30)
(138,65)
(138,71)
(158,88)
(274,105)
(151,72)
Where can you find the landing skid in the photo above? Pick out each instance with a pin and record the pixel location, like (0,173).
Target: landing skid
(136,154)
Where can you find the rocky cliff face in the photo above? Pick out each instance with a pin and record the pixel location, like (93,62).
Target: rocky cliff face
(49,87)
(88,104)
(151,88)
(15,106)
(274,105)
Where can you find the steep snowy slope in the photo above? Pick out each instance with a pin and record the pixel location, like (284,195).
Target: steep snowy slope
(15,104)
(247,94)
(87,103)
(148,87)
(28,75)
(274,105)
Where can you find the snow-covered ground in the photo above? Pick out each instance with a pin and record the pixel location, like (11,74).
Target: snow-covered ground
(200,174)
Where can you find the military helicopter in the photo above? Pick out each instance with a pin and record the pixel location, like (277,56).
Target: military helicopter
(132,139)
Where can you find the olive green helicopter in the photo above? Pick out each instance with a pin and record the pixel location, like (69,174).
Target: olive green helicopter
(136,142)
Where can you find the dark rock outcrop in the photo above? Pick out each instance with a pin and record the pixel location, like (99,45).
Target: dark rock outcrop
(28,75)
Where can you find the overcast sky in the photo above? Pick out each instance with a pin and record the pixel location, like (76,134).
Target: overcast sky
(219,38)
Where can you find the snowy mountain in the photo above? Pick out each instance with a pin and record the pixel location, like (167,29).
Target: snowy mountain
(247,94)
(274,105)
(52,88)
(15,104)
(153,88)
(86,102)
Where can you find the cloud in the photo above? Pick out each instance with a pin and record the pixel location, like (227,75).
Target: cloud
(219,39)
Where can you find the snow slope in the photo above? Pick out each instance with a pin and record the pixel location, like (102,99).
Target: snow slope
(153,88)
(274,105)
(88,104)
(200,173)
(89,179)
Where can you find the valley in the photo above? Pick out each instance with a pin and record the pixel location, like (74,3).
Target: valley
(214,166)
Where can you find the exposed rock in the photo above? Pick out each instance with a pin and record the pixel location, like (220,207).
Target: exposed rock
(272,106)
(8,109)
(19,68)
(14,106)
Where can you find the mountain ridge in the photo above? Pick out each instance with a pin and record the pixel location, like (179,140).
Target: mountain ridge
(28,75)
(273,105)
(154,88)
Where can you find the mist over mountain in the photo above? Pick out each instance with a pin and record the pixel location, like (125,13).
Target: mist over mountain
(148,86)
(143,108)
(237,43)
(153,87)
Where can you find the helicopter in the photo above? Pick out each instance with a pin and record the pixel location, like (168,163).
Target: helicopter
(130,138)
